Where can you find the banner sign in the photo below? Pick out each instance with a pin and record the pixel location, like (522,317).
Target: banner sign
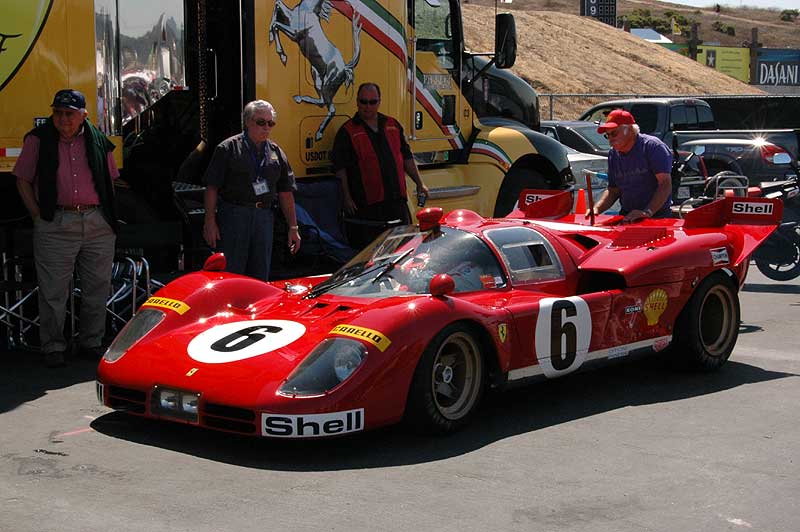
(603,10)
(778,67)
(734,62)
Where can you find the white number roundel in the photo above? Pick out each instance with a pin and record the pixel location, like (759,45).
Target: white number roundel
(243,339)
(563,332)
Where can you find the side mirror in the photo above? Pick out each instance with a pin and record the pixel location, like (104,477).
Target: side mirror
(215,263)
(442,285)
(505,40)
(781,158)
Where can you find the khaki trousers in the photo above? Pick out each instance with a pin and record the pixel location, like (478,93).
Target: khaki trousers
(73,238)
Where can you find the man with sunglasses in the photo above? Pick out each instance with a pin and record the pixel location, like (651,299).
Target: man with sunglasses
(639,170)
(371,157)
(246,174)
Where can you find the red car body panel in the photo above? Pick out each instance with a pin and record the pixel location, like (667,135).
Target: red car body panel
(621,290)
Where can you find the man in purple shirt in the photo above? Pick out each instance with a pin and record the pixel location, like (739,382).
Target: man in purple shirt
(64,177)
(639,170)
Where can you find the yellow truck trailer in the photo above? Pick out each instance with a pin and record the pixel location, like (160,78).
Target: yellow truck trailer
(167,80)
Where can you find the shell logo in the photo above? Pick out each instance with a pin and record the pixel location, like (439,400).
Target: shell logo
(21,22)
(655,305)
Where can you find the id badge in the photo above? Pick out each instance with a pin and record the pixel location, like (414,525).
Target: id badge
(260,187)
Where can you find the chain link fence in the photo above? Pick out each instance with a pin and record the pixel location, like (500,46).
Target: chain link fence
(571,106)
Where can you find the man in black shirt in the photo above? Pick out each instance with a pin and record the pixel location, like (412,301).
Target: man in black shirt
(246,173)
(371,157)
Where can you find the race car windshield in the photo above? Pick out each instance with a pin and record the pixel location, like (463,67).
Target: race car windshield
(403,260)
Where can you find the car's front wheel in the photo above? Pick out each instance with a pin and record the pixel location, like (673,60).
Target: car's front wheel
(708,327)
(448,382)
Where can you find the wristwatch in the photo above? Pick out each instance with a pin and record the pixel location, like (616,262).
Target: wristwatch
(648,212)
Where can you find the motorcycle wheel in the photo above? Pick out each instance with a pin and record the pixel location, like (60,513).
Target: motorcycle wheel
(784,271)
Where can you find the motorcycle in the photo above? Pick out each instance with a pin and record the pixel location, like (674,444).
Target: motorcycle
(778,257)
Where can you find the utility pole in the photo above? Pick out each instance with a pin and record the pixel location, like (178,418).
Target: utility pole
(754,46)
(693,42)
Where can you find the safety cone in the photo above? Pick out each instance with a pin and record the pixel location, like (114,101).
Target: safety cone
(580,204)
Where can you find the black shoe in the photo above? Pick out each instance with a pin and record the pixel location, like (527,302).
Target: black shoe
(92,353)
(54,359)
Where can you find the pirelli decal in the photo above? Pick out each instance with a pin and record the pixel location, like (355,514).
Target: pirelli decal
(374,337)
(172,304)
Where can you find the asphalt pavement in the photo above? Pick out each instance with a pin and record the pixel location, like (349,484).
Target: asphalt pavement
(637,447)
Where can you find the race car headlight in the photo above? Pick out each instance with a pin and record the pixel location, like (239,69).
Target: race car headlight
(136,329)
(328,365)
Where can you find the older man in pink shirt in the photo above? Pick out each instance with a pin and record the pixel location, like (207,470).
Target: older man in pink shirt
(65,177)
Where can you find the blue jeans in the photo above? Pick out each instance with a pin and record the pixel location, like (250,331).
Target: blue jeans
(246,239)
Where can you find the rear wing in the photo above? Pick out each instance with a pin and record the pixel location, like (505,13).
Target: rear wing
(543,204)
(735,210)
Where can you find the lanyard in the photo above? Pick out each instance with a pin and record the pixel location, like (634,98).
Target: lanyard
(258,165)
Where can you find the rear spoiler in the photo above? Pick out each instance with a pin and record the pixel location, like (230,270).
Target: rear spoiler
(543,204)
(735,210)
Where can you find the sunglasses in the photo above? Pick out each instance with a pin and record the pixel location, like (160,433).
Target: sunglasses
(368,102)
(261,122)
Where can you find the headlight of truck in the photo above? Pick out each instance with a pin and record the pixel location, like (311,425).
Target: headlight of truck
(328,365)
(136,329)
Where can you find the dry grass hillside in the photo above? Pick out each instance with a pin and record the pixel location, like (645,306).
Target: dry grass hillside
(564,53)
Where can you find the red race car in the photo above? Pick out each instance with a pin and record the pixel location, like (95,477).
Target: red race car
(427,317)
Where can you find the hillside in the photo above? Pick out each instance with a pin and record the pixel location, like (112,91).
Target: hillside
(565,53)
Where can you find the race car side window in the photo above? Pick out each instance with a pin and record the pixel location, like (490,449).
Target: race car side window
(528,256)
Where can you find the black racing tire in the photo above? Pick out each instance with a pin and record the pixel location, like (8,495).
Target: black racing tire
(448,382)
(708,326)
(517,180)
(785,271)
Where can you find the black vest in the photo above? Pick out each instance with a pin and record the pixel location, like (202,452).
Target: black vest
(97,148)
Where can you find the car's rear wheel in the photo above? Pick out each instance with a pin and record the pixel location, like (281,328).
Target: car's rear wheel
(708,327)
(448,382)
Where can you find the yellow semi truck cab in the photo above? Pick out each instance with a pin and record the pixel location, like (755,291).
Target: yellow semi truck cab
(167,79)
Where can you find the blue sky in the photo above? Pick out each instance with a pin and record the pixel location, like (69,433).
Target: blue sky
(778,4)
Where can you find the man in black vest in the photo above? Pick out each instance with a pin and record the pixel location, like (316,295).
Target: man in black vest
(64,176)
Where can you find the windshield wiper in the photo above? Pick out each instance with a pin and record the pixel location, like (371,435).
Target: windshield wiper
(323,287)
(389,266)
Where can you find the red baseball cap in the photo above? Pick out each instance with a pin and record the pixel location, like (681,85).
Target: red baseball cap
(616,118)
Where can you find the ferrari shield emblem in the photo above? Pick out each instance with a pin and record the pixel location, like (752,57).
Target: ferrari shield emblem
(21,22)
(502,332)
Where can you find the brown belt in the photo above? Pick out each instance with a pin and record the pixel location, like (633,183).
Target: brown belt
(77,208)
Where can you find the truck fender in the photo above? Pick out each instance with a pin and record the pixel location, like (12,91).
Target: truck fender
(720,162)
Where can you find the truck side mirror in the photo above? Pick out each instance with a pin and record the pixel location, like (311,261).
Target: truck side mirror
(505,40)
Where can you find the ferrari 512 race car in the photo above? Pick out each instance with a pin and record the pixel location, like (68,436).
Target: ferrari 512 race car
(421,322)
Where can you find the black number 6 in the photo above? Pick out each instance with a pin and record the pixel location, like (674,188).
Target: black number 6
(563,308)
(244,338)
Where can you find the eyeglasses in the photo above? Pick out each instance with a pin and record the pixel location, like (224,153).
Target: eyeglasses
(614,133)
(261,122)
(368,102)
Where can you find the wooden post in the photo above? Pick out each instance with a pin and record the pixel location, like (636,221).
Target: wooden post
(754,46)
(693,42)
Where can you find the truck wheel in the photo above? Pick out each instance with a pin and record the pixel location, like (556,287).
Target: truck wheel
(448,382)
(515,182)
(708,326)
(729,179)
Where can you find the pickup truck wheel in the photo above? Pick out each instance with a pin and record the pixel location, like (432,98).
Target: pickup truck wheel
(517,180)
(728,179)
(708,326)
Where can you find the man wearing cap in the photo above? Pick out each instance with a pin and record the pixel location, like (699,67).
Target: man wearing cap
(64,177)
(639,170)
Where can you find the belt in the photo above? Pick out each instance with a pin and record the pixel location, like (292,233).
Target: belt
(254,205)
(77,208)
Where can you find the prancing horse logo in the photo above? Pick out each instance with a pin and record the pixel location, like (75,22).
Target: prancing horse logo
(302,25)
(21,22)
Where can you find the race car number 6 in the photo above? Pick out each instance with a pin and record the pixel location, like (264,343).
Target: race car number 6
(563,332)
(243,339)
